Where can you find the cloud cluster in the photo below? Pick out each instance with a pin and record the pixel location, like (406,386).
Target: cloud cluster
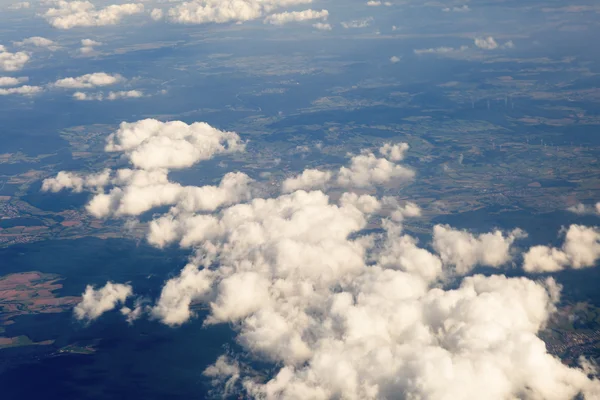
(581,249)
(25,90)
(88,81)
(580,209)
(38,41)
(358,23)
(72,14)
(339,311)
(217,11)
(11,81)
(96,302)
(296,16)
(87,46)
(12,61)
(489,43)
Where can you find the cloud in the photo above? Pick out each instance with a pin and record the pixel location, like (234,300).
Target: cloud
(12,61)
(94,302)
(464,251)
(580,209)
(157,14)
(38,41)
(322,26)
(581,249)
(463,8)
(395,59)
(82,96)
(366,170)
(344,312)
(489,43)
(309,179)
(217,11)
(296,16)
(440,50)
(357,24)
(20,5)
(72,14)
(88,81)
(87,46)
(11,81)
(377,3)
(25,90)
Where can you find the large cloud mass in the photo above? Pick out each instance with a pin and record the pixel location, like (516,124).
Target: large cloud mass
(339,311)
(72,14)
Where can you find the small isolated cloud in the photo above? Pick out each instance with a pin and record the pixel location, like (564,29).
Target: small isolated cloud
(441,50)
(580,249)
(489,43)
(296,16)
(464,8)
(377,3)
(20,5)
(72,14)
(322,26)
(87,46)
(12,61)
(22,90)
(88,81)
(218,11)
(395,59)
(580,209)
(157,14)
(358,23)
(11,81)
(124,94)
(96,302)
(38,41)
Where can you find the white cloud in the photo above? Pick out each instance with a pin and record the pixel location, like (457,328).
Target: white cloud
(20,5)
(464,251)
(11,81)
(88,81)
(82,96)
(87,46)
(486,43)
(463,8)
(581,249)
(157,14)
(395,59)
(72,14)
(322,26)
(25,90)
(12,61)
(309,179)
(296,16)
(217,11)
(440,50)
(366,170)
(359,23)
(395,152)
(38,41)
(94,302)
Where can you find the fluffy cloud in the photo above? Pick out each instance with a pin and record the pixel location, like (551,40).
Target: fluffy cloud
(205,11)
(322,26)
(341,312)
(72,14)
(157,14)
(11,81)
(12,61)
(580,209)
(309,179)
(464,251)
(367,170)
(87,46)
(489,43)
(94,302)
(580,249)
(123,94)
(395,59)
(88,81)
(25,90)
(296,16)
(38,41)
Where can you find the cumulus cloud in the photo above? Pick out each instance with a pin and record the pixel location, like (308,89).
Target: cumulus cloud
(342,312)
(322,26)
(217,11)
(366,170)
(38,41)
(395,59)
(464,251)
(96,302)
(123,94)
(72,14)
(581,249)
(88,81)
(12,61)
(11,81)
(296,16)
(580,209)
(357,24)
(24,90)
(157,14)
(489,43)
(309,179)
(87,46)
